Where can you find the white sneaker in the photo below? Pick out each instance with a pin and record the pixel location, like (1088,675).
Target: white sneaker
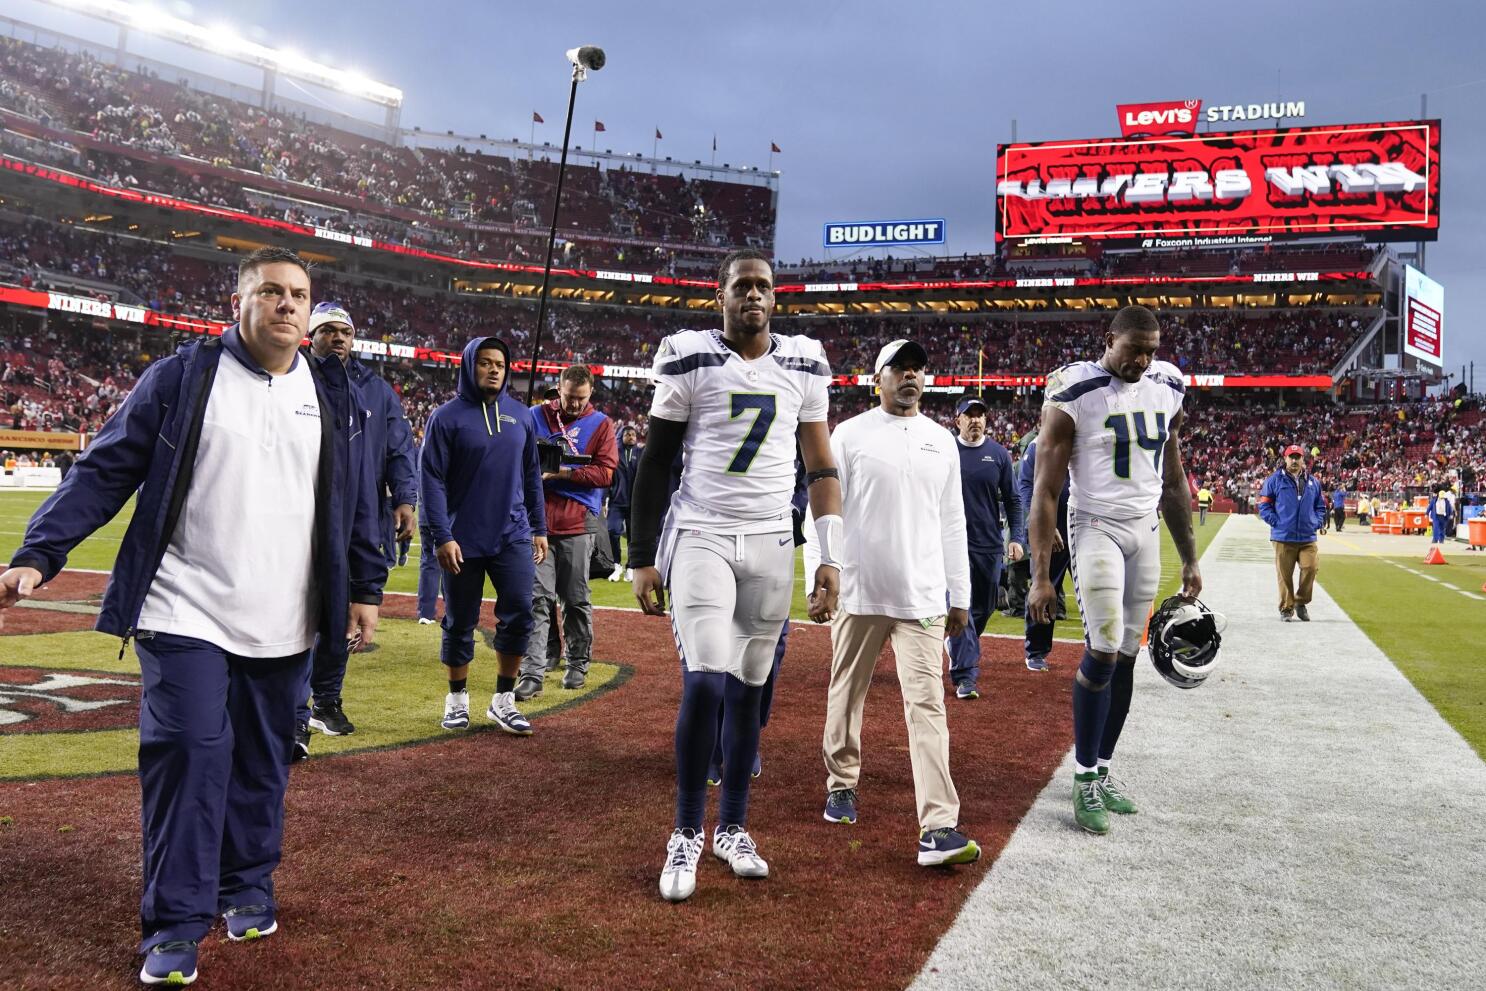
(678,879)
(425,621)
(629,574)
(456,711)
(617,573)
(736,847)
(504,713)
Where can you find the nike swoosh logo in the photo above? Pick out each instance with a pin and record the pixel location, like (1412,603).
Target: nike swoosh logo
(1155,528)
(785,540)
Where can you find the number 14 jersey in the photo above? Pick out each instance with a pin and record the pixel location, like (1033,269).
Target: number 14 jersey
(741,417)
(1119,439)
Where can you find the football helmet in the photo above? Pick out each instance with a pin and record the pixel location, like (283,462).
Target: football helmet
(1184,636)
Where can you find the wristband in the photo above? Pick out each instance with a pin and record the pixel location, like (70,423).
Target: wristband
(828,537)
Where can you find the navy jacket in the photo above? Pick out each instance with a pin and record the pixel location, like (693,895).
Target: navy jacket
(481,477)
(624,475)
(149,446)
(987,485)
(1026,478)
(1293,511)
(388,440)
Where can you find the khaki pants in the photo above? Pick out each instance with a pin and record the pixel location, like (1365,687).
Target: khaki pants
(1286,556)
(855,643)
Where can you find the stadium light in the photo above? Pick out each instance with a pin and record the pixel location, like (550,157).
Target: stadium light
(585,59)
(223,40)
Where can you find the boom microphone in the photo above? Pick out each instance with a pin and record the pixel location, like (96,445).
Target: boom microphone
(589,57)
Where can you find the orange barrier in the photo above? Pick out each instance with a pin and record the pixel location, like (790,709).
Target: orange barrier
(1476,531)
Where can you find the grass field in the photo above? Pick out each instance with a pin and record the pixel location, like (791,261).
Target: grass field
(98,554)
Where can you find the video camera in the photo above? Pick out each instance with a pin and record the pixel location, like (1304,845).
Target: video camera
(553,455)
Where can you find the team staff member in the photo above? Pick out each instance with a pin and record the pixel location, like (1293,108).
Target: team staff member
(482,507)
(573,493)
(1292,504)
(1039,633)
(387,461)
(245,542)
(630,452)
(1204,503)
(989,492)
(1339,506)
(904,555)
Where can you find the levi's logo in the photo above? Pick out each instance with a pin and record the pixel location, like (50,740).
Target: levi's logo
(1174,117)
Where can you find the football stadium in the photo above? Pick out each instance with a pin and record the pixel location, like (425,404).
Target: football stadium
(815,541)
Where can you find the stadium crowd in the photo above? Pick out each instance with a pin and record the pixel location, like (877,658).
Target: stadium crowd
(145,132)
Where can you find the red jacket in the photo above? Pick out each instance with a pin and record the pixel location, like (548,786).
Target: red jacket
(566,515)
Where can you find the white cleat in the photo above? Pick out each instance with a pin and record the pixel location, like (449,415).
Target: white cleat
(617,573)
(456,711)
(679,877)
(736,847)
(629,574)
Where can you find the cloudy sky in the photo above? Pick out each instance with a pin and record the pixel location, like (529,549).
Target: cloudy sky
(894,109)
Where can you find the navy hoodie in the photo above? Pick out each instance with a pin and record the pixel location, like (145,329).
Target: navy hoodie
(481,481)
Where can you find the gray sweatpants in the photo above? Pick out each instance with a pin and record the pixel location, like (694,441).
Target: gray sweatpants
(562,576)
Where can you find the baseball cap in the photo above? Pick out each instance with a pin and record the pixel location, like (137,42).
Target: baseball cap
(1294,449)
(324,313)
(964,404)
(901,349)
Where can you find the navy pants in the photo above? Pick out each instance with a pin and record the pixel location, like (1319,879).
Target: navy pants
(429,576)
(985,583)
(766,701)
(389,536)
(1440,525)
(215,732)
(324,675)
(1039,642)
(512,574)
(617,529)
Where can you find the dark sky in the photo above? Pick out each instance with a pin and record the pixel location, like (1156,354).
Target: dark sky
(894,109)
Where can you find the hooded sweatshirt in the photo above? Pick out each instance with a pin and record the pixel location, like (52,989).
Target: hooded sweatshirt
(481,481)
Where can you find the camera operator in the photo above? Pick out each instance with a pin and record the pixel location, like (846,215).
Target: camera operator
(579,457)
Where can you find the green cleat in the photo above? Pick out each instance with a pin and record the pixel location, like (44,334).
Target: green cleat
(1088,804)
(1115,799)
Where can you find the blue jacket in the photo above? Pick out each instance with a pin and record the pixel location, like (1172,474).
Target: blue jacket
(480,474)
(149,446)
(1026,478)
(624,475)
(987,485)
(388,440)
(1294,511)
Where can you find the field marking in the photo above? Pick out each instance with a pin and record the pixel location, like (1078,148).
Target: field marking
(1338,852)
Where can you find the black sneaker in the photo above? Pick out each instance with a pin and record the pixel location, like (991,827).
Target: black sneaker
(1287,615)
(328,718)
(574,678)
(1302,614)
(301,748)
(529,687)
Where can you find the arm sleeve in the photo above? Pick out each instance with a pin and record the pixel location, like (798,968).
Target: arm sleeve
(1319,516)
(401,474)
(531,478)
(953,538)
(1016,519)
(600,473)
(432,462)
(101,481)
(1026,475)
(649,499)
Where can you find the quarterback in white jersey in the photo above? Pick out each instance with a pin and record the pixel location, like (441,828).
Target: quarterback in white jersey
(1111,427)
(732,402)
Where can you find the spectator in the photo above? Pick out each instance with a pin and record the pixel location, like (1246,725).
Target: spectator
(1292,505)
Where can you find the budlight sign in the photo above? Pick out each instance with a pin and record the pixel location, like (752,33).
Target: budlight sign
(884,233)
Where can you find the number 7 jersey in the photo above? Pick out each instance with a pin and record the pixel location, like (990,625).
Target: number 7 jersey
(741,417)
(1119,434)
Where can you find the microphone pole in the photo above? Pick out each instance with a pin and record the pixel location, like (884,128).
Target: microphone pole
(536,348)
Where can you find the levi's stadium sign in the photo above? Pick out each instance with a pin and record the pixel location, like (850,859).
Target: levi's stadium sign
(1233,187)
(1179,117)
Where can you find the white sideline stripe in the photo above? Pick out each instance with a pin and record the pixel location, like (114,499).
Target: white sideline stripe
(1307,820)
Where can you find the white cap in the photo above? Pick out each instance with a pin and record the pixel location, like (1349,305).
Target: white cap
(901,348)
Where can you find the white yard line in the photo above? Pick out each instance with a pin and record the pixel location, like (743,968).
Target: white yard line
(1307,820)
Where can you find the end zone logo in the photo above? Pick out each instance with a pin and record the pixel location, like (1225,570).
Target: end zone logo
(37,700)
(1173,117)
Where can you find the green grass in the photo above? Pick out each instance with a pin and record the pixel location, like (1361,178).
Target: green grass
(1433,634)
(98,553)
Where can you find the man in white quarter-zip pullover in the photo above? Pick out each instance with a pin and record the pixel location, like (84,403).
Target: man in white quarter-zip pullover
(905,555)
